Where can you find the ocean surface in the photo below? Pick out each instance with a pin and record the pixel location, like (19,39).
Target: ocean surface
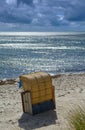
(55,53)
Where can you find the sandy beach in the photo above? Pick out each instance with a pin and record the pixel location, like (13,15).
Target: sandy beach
(69,92)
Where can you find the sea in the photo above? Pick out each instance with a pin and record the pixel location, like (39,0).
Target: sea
(51,52)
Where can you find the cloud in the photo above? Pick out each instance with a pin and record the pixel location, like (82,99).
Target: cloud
(11,2)
(43,13)
(38,14)
(13,14)
(28,2)
(47,13)
(76,11)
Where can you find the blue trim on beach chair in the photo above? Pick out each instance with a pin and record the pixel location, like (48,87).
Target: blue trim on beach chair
(20,84)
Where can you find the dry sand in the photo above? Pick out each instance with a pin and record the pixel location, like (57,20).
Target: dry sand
(69,92)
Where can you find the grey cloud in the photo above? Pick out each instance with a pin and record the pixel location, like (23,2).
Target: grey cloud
(75,12)
(28,2)
(43,12)
(15,15)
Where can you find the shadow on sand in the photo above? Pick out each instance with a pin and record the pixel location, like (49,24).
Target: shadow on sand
(29,122)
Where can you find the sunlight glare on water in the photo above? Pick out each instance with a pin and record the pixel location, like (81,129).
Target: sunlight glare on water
(54,53)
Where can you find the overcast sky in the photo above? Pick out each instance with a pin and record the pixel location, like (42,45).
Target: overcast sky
(42,15)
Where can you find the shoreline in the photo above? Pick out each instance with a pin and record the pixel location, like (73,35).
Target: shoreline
(5,81)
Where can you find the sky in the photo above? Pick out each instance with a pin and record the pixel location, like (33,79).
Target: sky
(42,15)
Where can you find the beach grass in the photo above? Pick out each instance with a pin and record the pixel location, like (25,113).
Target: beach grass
(77,118)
